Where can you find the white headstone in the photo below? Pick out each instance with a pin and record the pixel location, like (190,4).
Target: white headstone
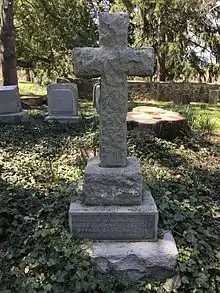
(10,105)
(96,97)
(62,102)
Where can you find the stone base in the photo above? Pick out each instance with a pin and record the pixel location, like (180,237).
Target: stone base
(63,119)
(130,261)
(14,117)
(112,186)
(115,222)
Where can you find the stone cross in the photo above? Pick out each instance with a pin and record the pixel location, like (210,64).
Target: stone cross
(113,61)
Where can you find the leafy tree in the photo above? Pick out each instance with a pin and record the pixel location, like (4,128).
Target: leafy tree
(178,30)
(48,30)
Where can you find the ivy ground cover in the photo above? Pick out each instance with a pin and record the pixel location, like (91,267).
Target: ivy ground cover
(41,171)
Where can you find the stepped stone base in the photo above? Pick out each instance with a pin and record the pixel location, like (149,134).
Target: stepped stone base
(115,222)
(63,119)
(14,117)
(131,261)
(113,186)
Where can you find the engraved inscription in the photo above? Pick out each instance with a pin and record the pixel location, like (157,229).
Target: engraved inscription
(113,226)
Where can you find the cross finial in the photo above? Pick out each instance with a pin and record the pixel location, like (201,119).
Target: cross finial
(113,61)
(113,30)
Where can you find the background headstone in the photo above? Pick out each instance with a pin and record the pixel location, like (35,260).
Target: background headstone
(10,105)
(62,103)
(213,96)
(96,97)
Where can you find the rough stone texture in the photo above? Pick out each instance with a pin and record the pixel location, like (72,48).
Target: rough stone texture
(131,261)
(10,102)
(113,61)
(115,222)
(214,96)
(62,103)
(165,124)
(178,92)
(112,186)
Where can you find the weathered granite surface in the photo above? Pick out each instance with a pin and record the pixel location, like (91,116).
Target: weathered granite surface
(131,261)
(113,61)
(112,186)
(115,222)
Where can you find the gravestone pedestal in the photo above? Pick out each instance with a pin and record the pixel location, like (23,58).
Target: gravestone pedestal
(63,119)
(131,261)
(112,186)
(125,229)
(14,117)
(131,223)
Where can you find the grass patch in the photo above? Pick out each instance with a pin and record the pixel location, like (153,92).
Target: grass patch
(27,89)
(201,116)
(41,170)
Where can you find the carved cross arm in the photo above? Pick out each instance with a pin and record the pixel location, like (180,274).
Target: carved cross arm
(88,62)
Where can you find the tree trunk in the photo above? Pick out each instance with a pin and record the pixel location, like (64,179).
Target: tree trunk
(8,58)
(161,67)
(161,55)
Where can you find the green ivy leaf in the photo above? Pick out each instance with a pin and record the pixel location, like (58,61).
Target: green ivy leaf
(172,284)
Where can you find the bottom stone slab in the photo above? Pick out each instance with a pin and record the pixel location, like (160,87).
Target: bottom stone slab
(14,117)
(120,223)
(63,119)
(131,261)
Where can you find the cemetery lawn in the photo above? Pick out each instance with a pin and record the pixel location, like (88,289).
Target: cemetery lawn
(201,116)
(41,170)
(28,89)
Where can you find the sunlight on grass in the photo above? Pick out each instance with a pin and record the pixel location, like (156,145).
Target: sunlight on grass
(31,89)
(200,115)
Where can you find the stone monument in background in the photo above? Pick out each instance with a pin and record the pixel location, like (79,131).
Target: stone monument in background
(116,206)
(62,101)
(213,96)
(10,105)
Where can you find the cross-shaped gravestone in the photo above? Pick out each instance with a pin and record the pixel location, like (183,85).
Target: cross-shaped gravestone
(113,61)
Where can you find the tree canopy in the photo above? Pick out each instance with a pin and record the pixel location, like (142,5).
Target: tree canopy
(185,34)
(48,30)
